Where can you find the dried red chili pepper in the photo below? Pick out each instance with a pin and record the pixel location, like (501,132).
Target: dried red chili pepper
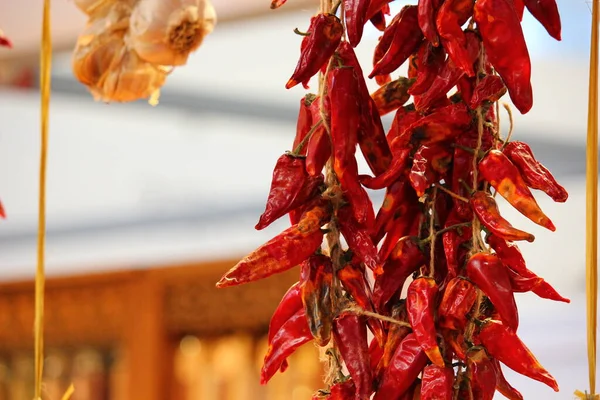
(534,174)
(442,124)
(350,333)
(486,209)
(406,364)
(429,61)
(404,222)
(455,341)
(428,161)
(343,391)
(427,10)
(396,169)
(546,12)
(316,296)
(453,240)
(420,305)
(399,136)
(375,352)
(482,374)
(396,334)
(404,260)
(505,47)
(376,6)
(291,187)
(519,8)
(392,202)
(437,383)
(318,149)
(462,169)
(304,123)
(277,3)
(490,89)
(459,297)
(511,256)
(289,305)
(358,238)
(503,386)
(355,12)
(504,176)
(451,16)
(378,21)
(383,45)
(521,284)
(392,95)
(281,253)
(324,36)
(503,344)
(292,334)
(407,37)
(489,274)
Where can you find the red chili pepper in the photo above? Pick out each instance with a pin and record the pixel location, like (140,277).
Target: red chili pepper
(427,162)
(407,37)
(502,174)
(449,75)
(350,333)
(385,41)
(281,253)
(427,12)
(489,274)
(453,241)
(392,95)
(489,89)
(392,203)
(519,8)
(376,352)
(345,121)
(343,391)
(304,123)
(546,12)
(378,5)
(291,187)
(293,334)
(429,62)
(503,344)
(324,36)
(459,297)
(318,149)
(486,209)
(465,89)
(399,136)
(511,256)
(521,284)
(437,383)
(482,374)
(462,170)
(420,303)
(405,222)
(277,3)
(442,124)
(534,174)
(503,386)
(316,296)
(450,18)
(455,341)
(396,335)
(355,12)
(289,305)
(358,238)
(406,365)
(404,260)
(378,21)
(396,169)
(505,47)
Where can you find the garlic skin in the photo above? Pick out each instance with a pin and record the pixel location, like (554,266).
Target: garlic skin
(94,7)
(165,32)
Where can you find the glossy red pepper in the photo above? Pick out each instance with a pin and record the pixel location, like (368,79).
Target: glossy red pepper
(522,284)
(324,36)
(383,45)
(355,12)
(487,212)
(428,161)
(291,187)
(304,123)
(519,8)
(429,62)
(503,386)
(406,365)
(404,222)
(407,37)
(396,334)
(350,333)
(503,344)
(392,96)
(420,305)
(504,176)
(378,21)
(343,391)
(437,383)
(318,149)
(378,5)
(399,136)
(358,238)
(489,89)
(392,202)
(443,124)
(427,10)
(459,297)
(375,352)
(534,174)
(451,16)
(453,241)
(546,12)
(505,48)
(489,274)
(397,168)
(316,296)
(292,334)
(289,305)
(482,374)
(511,256)
(281,253)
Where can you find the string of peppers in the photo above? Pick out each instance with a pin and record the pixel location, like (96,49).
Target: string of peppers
(439,234)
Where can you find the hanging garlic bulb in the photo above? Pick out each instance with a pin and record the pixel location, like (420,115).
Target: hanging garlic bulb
(165,32)
(93,7)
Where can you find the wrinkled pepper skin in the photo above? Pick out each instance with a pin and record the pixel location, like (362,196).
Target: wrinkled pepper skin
(453,240)
(459,297)
(406,365)
(281,253)
(289,305)
(450,18)
(396,169)
(482,374)
(385,41)
(420,306)
(437,383)
(489,89)
(443,124)
(393,201)
(316,296)
(325,34)
(546,12)
(350,333)
(503,386)
(504,176)
(506,50)
(293,334)
(428,162)
(356,16)
(304,122)
(396,334)
(489,274)
(535,175)
(487,212)
(429,62)
(502,343)
(358,238)
(392,95)
(343,391)
(427,10)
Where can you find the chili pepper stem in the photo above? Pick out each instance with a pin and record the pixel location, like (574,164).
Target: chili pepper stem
(451,193)
(301,145)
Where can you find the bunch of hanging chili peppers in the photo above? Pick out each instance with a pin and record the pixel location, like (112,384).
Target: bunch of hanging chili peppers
(433,274)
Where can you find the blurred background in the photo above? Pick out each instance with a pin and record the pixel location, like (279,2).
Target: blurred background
(148,206)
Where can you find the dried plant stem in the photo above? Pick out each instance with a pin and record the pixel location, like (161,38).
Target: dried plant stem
(359,311)
(451,193)
(432,234)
